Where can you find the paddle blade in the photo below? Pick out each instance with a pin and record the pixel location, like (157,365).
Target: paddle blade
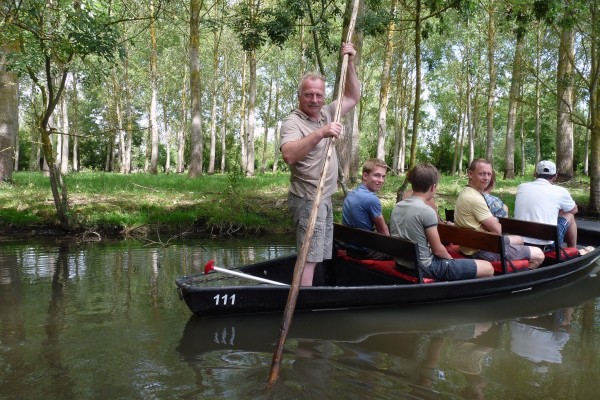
(210,265)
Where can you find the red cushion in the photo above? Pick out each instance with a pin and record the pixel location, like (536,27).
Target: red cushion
(512,266)
(565,253)
(454,251)
(386,266)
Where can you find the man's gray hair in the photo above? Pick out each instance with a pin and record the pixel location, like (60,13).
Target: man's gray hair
(312,76)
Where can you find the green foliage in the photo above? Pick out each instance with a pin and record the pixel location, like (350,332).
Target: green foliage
(279,25)
(60,34)
(254,26)
(235,178)
(374,22)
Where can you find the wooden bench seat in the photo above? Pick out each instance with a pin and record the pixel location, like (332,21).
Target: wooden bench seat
(396,247)
(456,235)
(540,231)
(534,230)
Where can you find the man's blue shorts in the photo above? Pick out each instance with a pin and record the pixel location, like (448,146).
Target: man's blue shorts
(452,269)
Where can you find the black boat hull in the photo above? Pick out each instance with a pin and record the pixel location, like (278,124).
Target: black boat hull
(351,285)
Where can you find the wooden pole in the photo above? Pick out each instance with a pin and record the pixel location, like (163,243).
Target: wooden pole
(301,260)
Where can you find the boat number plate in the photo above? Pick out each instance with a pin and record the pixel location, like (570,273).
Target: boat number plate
(224,299)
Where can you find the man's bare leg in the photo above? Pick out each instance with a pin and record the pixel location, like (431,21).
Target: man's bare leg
(307,275)
(571,233)
(536,258)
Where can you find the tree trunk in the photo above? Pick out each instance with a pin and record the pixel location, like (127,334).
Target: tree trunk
(51,94)
(251,114)
(9,116)
(35,153)
(594,202)
(407,105)
(168,138)
(469,119)
(64,151)
(302,60)
(110,149)
(59,190)
(586,151)
(385,86)
(128,113)
(213,113)
(316,37)
(276,151)
(491,48)
(267,122)
(594,91)
(225,99)
(121,135)
(417,105)
(17,155)
(75,126)
(244,155)
(564,107)
(522,135)
(461,142)
(195,168)
(509,153)
(153,94)
(456,162)
(398,118)
(181,131)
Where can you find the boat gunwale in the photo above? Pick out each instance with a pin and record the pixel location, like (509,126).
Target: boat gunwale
(583,260)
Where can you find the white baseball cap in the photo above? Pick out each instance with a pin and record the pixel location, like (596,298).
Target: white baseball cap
(546,167)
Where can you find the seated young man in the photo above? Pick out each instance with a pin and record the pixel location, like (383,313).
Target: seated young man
(414,220)
(362,208)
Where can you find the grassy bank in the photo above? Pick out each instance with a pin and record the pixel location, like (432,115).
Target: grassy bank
(110,203)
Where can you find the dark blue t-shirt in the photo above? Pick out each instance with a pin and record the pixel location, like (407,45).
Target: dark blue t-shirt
(360,207)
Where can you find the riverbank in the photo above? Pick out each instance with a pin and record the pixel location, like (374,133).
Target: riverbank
(115,205)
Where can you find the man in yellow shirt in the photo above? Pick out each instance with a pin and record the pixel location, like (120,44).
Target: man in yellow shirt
(472,211)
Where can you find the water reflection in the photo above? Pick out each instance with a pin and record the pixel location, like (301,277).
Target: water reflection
(104,321)
(60,380)
(512,346)
(541,338)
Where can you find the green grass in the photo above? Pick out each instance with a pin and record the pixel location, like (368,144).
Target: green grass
(216,204)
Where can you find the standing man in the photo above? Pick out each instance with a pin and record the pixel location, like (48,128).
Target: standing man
(541,201)
(362,208)
(305,134)
(472,211)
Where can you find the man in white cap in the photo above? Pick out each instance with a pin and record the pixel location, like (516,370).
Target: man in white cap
(541,201)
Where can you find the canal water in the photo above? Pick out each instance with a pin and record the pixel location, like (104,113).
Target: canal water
(81,320)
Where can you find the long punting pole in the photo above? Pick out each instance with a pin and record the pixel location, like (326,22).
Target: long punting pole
(301,260)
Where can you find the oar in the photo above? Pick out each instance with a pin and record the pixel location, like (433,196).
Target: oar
(210,266)
(301,260)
